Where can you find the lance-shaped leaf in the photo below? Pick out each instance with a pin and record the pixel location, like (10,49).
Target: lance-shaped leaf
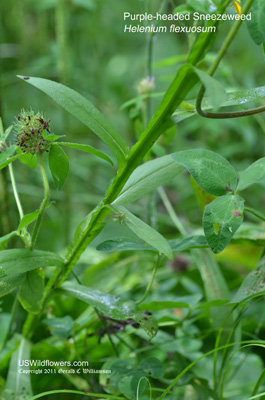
(59,165)
(18,261)
(214,89)
(143,231)
(255,173)
(213,173)
(111,306)
(221,219)
(148,177)
(88,149)
(84,111)
(8,161)
(32,291)
(125,244)
(18,385)
(237,98)
(7,153)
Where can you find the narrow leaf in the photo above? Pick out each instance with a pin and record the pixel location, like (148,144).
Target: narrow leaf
(124,244)
(214,89)
(88,149)
(5,239)
(212,172)
(28,219)
(18,385)
(50,136)
(8,161)
(32,291)
(240,98)
(17,261)
(111,306)
(255,173)
(7,153)
(144,231)
(85,112)
(221,219)
(59,165)
(148,177)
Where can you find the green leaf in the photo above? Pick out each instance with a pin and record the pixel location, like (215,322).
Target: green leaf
(32,291)
(88,149)
(212,172)
(256,23)
(214,89)
(124,244)
(17,261)
(144,231)
(10,282)
(251,232)
(59,165)
(7,153)
(148,177)
(240,97)
(168,301)
(28,219)
(50,136)
(111,306)
(10,160)
(151,367)
(252,286)
(60,327)
(29,159)
(18,385)
(221,219)
(255,173)
(85,112)
(4,239)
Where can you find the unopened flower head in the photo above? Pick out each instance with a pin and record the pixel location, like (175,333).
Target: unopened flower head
(2,146)
(146,86)
(29,127)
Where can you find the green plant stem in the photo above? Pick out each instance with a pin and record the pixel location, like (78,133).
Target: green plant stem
(4,202)
(254,212)
(14,188)
(44,202)
(183,372)
(181,85)
(184,81)
(150,284)
(24,235)
(221,54)
(258,384)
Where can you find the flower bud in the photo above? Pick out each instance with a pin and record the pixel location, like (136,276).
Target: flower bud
(146,86)
(29,127)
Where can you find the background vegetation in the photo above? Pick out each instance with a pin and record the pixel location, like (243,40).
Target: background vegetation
(81,44)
